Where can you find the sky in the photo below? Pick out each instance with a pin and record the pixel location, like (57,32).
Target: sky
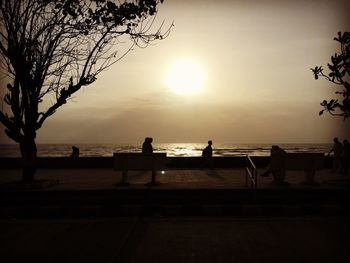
(253,58)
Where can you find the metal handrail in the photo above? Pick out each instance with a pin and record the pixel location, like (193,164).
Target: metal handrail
(252,172)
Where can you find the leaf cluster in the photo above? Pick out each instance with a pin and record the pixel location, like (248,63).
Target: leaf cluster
(339,74)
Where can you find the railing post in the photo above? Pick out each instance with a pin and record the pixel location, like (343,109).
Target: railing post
(256,178)
(253,173)
(246,172)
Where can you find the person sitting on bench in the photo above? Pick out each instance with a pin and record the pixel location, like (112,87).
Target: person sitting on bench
(277,166)
(147,145)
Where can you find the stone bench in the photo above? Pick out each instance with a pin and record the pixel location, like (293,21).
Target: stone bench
(139,162)
(307,162)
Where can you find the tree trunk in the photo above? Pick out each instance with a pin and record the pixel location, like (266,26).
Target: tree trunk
(28,152)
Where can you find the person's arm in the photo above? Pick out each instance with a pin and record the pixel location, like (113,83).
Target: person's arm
(331,150)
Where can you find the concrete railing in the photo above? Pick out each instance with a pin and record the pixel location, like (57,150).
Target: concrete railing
(251,174)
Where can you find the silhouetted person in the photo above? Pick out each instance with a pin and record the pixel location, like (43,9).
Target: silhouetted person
(277,166)
(337,150)
(75,152)
(269,169)
(147,145)
(207,154)
(345,157)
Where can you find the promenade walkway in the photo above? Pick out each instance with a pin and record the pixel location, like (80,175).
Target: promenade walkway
(92,179)
(192,216)
(176,239)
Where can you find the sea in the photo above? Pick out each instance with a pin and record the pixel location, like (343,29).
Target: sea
(172,149)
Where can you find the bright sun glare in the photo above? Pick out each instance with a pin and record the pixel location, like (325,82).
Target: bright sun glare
(185,77)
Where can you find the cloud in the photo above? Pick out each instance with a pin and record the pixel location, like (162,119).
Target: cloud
(196,123)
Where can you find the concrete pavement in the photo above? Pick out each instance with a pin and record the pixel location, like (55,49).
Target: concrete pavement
(174,239)
(68,222)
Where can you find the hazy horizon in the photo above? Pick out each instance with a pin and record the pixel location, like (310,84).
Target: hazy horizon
(171,149)
(179,143)
(256,86)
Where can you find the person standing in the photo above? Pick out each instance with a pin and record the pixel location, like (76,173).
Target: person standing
(337,150)
(75,152)
(207,154)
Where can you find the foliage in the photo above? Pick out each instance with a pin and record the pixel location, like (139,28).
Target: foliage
(51,49)
(339,74)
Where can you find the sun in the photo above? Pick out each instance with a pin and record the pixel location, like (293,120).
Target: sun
(185,77)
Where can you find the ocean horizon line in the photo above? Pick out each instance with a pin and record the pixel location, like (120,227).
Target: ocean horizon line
(199,142)
(172,149)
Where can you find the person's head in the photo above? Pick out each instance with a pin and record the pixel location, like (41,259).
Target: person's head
(275,147)
(335,139)
(150,140)
(346,142)
(210,142)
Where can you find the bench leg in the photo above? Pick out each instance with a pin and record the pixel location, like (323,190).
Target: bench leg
(309,177)
(125,178)
(154,174)
(153,180)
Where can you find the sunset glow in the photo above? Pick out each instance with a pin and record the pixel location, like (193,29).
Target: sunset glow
(185,77)
(231,71)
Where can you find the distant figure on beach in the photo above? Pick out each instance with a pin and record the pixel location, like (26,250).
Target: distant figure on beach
(75,152)
(207,154)
(337,150)
(345,157)
(147,145)
(277,166)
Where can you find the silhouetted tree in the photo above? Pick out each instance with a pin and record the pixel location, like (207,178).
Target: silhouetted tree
(50,49)
(339,73)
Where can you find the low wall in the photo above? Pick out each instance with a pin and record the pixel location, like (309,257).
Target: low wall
(107,162)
